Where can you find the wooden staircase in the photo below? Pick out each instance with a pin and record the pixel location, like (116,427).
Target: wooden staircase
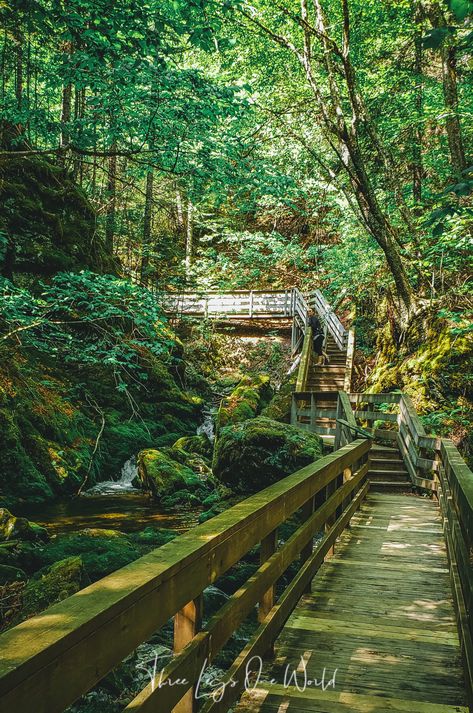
(387,470)
(326,380)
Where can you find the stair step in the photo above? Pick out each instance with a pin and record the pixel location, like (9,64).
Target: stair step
(377,487)
(388,475)
(396,464)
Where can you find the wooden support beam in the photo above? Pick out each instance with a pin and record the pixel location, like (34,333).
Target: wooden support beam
(187,623)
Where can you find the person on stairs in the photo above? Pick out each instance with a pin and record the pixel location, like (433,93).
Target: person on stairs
(318,338)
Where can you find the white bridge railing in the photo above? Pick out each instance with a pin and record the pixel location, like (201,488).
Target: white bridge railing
(259,304)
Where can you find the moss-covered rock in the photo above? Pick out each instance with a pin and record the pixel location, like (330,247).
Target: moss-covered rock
(52,585)
(101,551)
(48,221)
(164,476)
(253,454)
(250,396)
(199,444)
(279,408)
(19,528)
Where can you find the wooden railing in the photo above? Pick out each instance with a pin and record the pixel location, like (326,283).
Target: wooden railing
(329,318)
(48,661)
(455,494)
(259,304)
(305,362)
(237,304)
(345,431)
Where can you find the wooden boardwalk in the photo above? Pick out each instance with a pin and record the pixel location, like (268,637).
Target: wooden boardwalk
(381,613)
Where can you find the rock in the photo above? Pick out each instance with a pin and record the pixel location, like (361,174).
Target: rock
(11,574)
(279,408)
(251,455)
(245,401)
(19,528)
(101,551)
(58,582)
(162,475)
(200,445)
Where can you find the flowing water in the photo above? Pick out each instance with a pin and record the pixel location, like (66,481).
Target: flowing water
(115,504)
(111,504)
(124,484)
(207,427)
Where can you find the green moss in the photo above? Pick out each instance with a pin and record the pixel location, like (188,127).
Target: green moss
(101,551)
(19,528)
(251,455)
(49,222)
(58,582)
(246,401)
(279,408)
(162,475)
(195,444)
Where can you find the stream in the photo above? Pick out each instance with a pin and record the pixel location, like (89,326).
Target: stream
(114,504)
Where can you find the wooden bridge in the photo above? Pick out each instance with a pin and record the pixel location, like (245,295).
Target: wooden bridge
(258,304)
(375,616)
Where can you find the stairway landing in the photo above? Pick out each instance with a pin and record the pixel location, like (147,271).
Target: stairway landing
(379,616)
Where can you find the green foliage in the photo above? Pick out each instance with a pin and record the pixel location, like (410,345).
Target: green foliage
(89,319)
(245,401)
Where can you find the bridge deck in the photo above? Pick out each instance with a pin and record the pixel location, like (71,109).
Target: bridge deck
(381,613)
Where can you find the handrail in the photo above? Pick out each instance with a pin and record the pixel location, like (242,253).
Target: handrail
(305,362)
(455,493)
(345,421)
(57,656)
(330,319)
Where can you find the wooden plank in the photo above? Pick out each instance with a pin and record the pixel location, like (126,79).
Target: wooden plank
(345,701)
(385,398)
(187,622)
(350,360)
(348,628)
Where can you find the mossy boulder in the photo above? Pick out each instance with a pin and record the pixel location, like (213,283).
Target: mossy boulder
(162,475)
(253,454)
(199,444)
(101,552)
(48,221)
(19,528)
(245,401)
(279,408)
(57,582)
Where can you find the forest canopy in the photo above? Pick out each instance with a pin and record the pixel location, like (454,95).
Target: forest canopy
(334,121)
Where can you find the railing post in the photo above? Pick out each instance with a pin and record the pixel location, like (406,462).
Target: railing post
(251,304)
(312,412)
(187,622)
(294,410)
(268,548)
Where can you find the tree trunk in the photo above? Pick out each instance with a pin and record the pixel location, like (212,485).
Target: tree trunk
(111,201)
(450,93)
(147,225)
(179,213)
(189,236)
(452,121)
(417,167)
(66,101)
(19,71)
